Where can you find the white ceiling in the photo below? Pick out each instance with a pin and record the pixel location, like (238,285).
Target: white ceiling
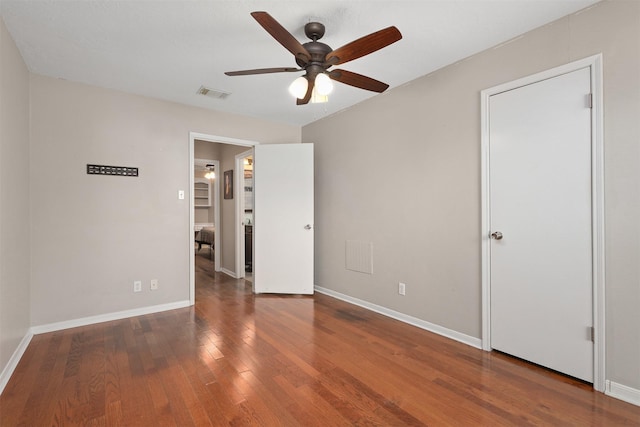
(168,49)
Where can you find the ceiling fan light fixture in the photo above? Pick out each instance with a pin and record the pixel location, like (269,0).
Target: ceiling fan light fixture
(299,87)
(318,98)
(323,85)
(210,172)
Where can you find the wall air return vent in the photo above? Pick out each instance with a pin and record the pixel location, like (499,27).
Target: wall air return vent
(359,256)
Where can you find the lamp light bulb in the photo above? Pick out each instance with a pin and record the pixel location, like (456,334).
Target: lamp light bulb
(299,87)
(323,84)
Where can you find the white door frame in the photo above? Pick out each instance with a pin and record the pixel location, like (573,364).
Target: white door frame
(597,205)
(239,195)
(217,252)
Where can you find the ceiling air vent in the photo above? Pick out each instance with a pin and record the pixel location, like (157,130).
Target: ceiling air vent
(212,93)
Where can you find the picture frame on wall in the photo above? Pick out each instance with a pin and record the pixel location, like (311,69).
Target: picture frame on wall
(228,184)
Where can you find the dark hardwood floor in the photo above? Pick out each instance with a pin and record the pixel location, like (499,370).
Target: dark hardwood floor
(240,359)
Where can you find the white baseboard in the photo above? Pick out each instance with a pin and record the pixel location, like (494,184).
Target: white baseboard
(622,392)
(229,273)
(13,361)
(51,327)
(422,324)
(84,321)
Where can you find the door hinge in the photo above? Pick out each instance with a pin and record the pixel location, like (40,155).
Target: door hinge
(592,333)
(590,100)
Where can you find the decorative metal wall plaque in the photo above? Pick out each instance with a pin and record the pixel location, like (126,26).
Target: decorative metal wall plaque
(111,170)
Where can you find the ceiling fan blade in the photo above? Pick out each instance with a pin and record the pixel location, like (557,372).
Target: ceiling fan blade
(283,36)
(364,46)
(307,96)
(358,80)
(263,71)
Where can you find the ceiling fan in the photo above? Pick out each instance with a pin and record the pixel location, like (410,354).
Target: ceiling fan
(315,58)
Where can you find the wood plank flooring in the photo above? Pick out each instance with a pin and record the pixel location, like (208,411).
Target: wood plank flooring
(237,359)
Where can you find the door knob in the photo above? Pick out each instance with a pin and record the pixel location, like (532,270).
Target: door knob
(308,227)
(496,235)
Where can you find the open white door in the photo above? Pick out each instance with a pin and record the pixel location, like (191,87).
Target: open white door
(283,219)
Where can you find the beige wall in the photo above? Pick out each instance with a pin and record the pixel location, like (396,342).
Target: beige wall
(14,198)
(403,171)
(92,236)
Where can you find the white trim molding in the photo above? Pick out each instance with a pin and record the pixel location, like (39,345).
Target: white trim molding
(238,191)
(5,376)
(84,321)
(218,247)
(229,273)
(405,318)
(594,63)
(622,392)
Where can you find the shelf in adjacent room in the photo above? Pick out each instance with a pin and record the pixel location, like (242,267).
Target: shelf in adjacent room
(201,193)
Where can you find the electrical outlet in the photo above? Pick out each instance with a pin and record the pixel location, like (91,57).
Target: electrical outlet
(401,288)
(137,286)
(154,284)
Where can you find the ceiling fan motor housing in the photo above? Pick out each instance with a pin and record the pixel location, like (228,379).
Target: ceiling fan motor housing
(318,52)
